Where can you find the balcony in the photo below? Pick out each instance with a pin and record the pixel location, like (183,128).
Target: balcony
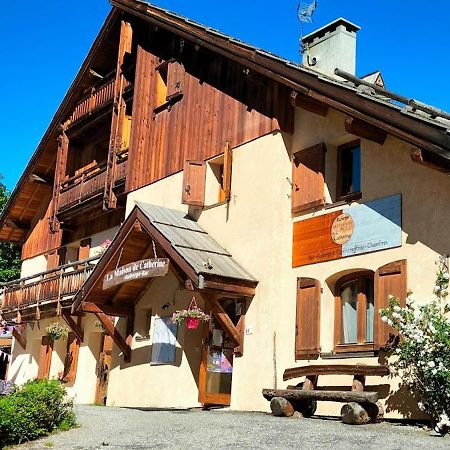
(45,289)
(99,96)
(90,184)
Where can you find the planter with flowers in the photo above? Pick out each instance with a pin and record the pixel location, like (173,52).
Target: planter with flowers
(57,331)
(103,247)
(191,316)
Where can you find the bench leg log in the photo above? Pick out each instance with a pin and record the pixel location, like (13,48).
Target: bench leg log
(354,414)
(375,411)
(281,407)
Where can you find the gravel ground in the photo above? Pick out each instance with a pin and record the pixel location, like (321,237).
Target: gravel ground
(118,428)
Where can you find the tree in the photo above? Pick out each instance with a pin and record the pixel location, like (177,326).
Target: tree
(9,253)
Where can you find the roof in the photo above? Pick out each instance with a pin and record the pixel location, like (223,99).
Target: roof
(194,244)
(409,120)
(153,231)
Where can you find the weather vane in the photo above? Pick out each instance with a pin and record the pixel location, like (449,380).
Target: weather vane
(304,13)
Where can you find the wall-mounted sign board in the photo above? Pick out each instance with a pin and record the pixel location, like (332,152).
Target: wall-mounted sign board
(366,228)
(146,268)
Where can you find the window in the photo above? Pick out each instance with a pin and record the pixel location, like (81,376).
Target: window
(164,341)
(169,80)
(218,186)
(349,171)
(161,85)
(354,312)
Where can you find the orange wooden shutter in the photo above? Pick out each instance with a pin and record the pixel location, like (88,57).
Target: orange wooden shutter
(307,341)
(227,163)
(56,258)
(389,280)
(71,360)
(194,179)
(85,247)
(45,358)
(308,169)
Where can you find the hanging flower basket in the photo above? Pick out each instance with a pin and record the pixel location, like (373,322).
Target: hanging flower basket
(191,316)
(57,331)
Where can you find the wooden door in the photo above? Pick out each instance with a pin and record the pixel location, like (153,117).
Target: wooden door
(103,369)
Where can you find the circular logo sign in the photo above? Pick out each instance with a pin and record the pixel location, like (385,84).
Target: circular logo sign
(342,229)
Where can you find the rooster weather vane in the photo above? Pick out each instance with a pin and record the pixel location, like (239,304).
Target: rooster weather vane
(304,13)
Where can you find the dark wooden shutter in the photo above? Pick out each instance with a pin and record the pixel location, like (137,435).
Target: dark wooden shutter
(71,360)
(85,248)
(307,340)
(194,179)
(45,357)
(390,279)
(174,80)
(308,169)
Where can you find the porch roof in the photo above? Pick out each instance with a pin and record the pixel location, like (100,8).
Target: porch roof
(194,256)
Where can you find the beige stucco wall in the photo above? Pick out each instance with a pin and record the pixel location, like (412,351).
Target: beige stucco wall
(140,383)
(256,227)
(24,364)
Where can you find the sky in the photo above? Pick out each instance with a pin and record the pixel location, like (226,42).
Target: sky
(44,44)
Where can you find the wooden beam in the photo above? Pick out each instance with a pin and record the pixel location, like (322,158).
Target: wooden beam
(116,336)
(40,179)
(245,291)
(365,130)
(336,369)
(423,157)
(22,340)
(223,318)
(130,329)
(309,104)
(112,310)
(79,333)
(12,223)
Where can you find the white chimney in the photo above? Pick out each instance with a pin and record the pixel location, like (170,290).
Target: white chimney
(330,47)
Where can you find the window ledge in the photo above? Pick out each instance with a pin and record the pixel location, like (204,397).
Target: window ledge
(344,355)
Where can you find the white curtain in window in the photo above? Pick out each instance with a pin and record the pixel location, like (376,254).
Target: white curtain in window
(349,297)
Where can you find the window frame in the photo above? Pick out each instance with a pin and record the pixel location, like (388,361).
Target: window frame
(361,345)
(340,196)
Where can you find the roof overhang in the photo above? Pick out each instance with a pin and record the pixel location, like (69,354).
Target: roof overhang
(134,242)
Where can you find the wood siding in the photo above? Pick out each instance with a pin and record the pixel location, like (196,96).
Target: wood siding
(40,240)
(219,103)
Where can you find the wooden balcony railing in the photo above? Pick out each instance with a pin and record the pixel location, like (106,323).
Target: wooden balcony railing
(89,183)
(98,97)
(50,286)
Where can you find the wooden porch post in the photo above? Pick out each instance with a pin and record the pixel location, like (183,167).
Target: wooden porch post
(118,116)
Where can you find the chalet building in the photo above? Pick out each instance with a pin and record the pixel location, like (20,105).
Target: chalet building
(288,200)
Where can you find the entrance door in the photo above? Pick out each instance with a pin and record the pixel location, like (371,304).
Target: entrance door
(216,368)
(103,368)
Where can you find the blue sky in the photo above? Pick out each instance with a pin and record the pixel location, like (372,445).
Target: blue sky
(45,42)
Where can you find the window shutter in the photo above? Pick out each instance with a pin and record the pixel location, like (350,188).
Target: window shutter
(45,358)
(71,360)
(389,280)
(227,163)
(308,169)
(56,258)
(174,79)
(307,340)
(194,179)
(84,250)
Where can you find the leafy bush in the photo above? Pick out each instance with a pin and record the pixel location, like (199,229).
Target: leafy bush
(423,349)
(36,409)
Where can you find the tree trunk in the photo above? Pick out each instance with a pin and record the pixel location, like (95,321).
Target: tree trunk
(354,414)
(281,407)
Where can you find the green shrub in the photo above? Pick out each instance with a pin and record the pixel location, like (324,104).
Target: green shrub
(36,409)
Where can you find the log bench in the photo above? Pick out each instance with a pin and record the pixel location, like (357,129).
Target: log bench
(360,406)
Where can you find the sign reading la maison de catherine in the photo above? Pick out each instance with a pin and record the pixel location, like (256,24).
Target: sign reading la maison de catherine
(365,228)
(146,268)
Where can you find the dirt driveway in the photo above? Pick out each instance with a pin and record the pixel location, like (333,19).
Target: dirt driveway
(135,429)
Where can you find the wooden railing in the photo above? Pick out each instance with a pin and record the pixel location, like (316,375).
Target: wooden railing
(91,182)
(52,285)
(98,97)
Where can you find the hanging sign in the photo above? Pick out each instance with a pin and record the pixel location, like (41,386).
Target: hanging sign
(146,268)
(365,228)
